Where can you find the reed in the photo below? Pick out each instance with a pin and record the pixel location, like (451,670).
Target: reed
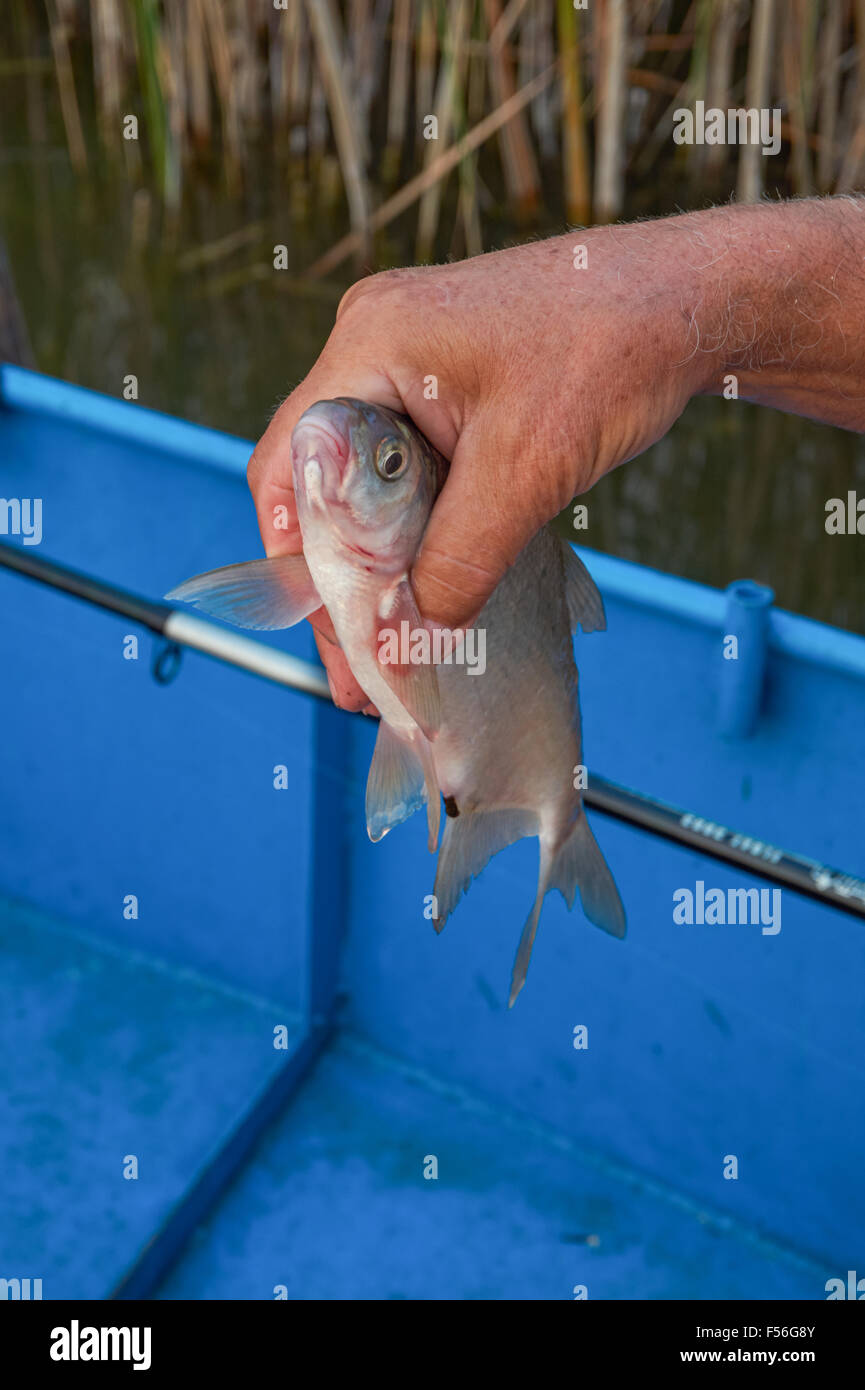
(757,93)
(575,141)
(333,94)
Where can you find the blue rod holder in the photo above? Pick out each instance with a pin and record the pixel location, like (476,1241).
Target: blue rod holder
(743,666)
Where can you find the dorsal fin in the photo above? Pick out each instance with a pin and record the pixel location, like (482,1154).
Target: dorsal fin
(585,605)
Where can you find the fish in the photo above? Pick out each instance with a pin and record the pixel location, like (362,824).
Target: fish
(497,741)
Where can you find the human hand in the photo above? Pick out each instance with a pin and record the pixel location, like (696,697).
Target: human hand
(533,376)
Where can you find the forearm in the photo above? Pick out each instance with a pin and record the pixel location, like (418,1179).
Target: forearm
(777,300)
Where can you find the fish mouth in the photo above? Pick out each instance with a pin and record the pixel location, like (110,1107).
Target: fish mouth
(317,427)
(320,453)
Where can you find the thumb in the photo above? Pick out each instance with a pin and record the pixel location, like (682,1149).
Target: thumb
(486,513)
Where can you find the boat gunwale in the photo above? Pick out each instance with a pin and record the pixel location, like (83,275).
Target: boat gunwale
(790,634)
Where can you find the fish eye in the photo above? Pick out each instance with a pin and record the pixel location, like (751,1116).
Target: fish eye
(391,461)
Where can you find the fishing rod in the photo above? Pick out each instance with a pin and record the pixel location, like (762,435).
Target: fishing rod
(177,627)
(809,877)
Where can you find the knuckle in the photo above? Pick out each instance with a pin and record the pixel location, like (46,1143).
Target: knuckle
(254,470)
(379,288)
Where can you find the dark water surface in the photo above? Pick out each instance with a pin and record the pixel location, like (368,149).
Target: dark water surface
(108,287)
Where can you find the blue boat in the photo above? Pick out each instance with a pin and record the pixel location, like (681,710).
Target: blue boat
(237,1062)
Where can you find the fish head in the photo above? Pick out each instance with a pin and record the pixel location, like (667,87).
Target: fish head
(365,480)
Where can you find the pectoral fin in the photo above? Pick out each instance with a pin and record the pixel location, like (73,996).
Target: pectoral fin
(260,594)
(415,685)
(395,786)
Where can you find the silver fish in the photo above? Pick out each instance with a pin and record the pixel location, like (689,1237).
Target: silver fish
(500,745)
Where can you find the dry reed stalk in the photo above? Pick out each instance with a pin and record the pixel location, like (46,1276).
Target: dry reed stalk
(106,30)
(749,182)
(520,168)
(468,218)
(829,86)
(398,87)
(468,211)
(299,64)
(504,25)
(246,65)
(280,30)
(212,26)
(539,27)
(358,70)
(66,87)
(720,76)
(172,70)
(198,82)
(797,49)
(316,119)
(212,251)
(451,75)
(427,45)
(610,122)
(449,159)
(476,83)
(327,34)
(575,145)
(698,75)
(849,176)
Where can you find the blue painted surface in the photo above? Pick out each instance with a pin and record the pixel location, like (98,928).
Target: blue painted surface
(746,643)
(336,1206)
(106,1054)
(704,1041)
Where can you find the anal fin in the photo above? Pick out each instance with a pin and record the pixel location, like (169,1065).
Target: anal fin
(415,685)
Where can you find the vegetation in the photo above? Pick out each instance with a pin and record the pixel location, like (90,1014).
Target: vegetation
(536,102)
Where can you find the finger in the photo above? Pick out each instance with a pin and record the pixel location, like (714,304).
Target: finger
(269,472)
(344,689)
(487,512)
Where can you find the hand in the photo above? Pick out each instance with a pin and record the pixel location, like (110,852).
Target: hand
(535,377)
(546,376)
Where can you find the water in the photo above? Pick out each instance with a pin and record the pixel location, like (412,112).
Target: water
(107,289)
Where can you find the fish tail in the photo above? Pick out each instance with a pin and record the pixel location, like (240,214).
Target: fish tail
(468,844)
(527,940)
(580,864)
(577,864)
